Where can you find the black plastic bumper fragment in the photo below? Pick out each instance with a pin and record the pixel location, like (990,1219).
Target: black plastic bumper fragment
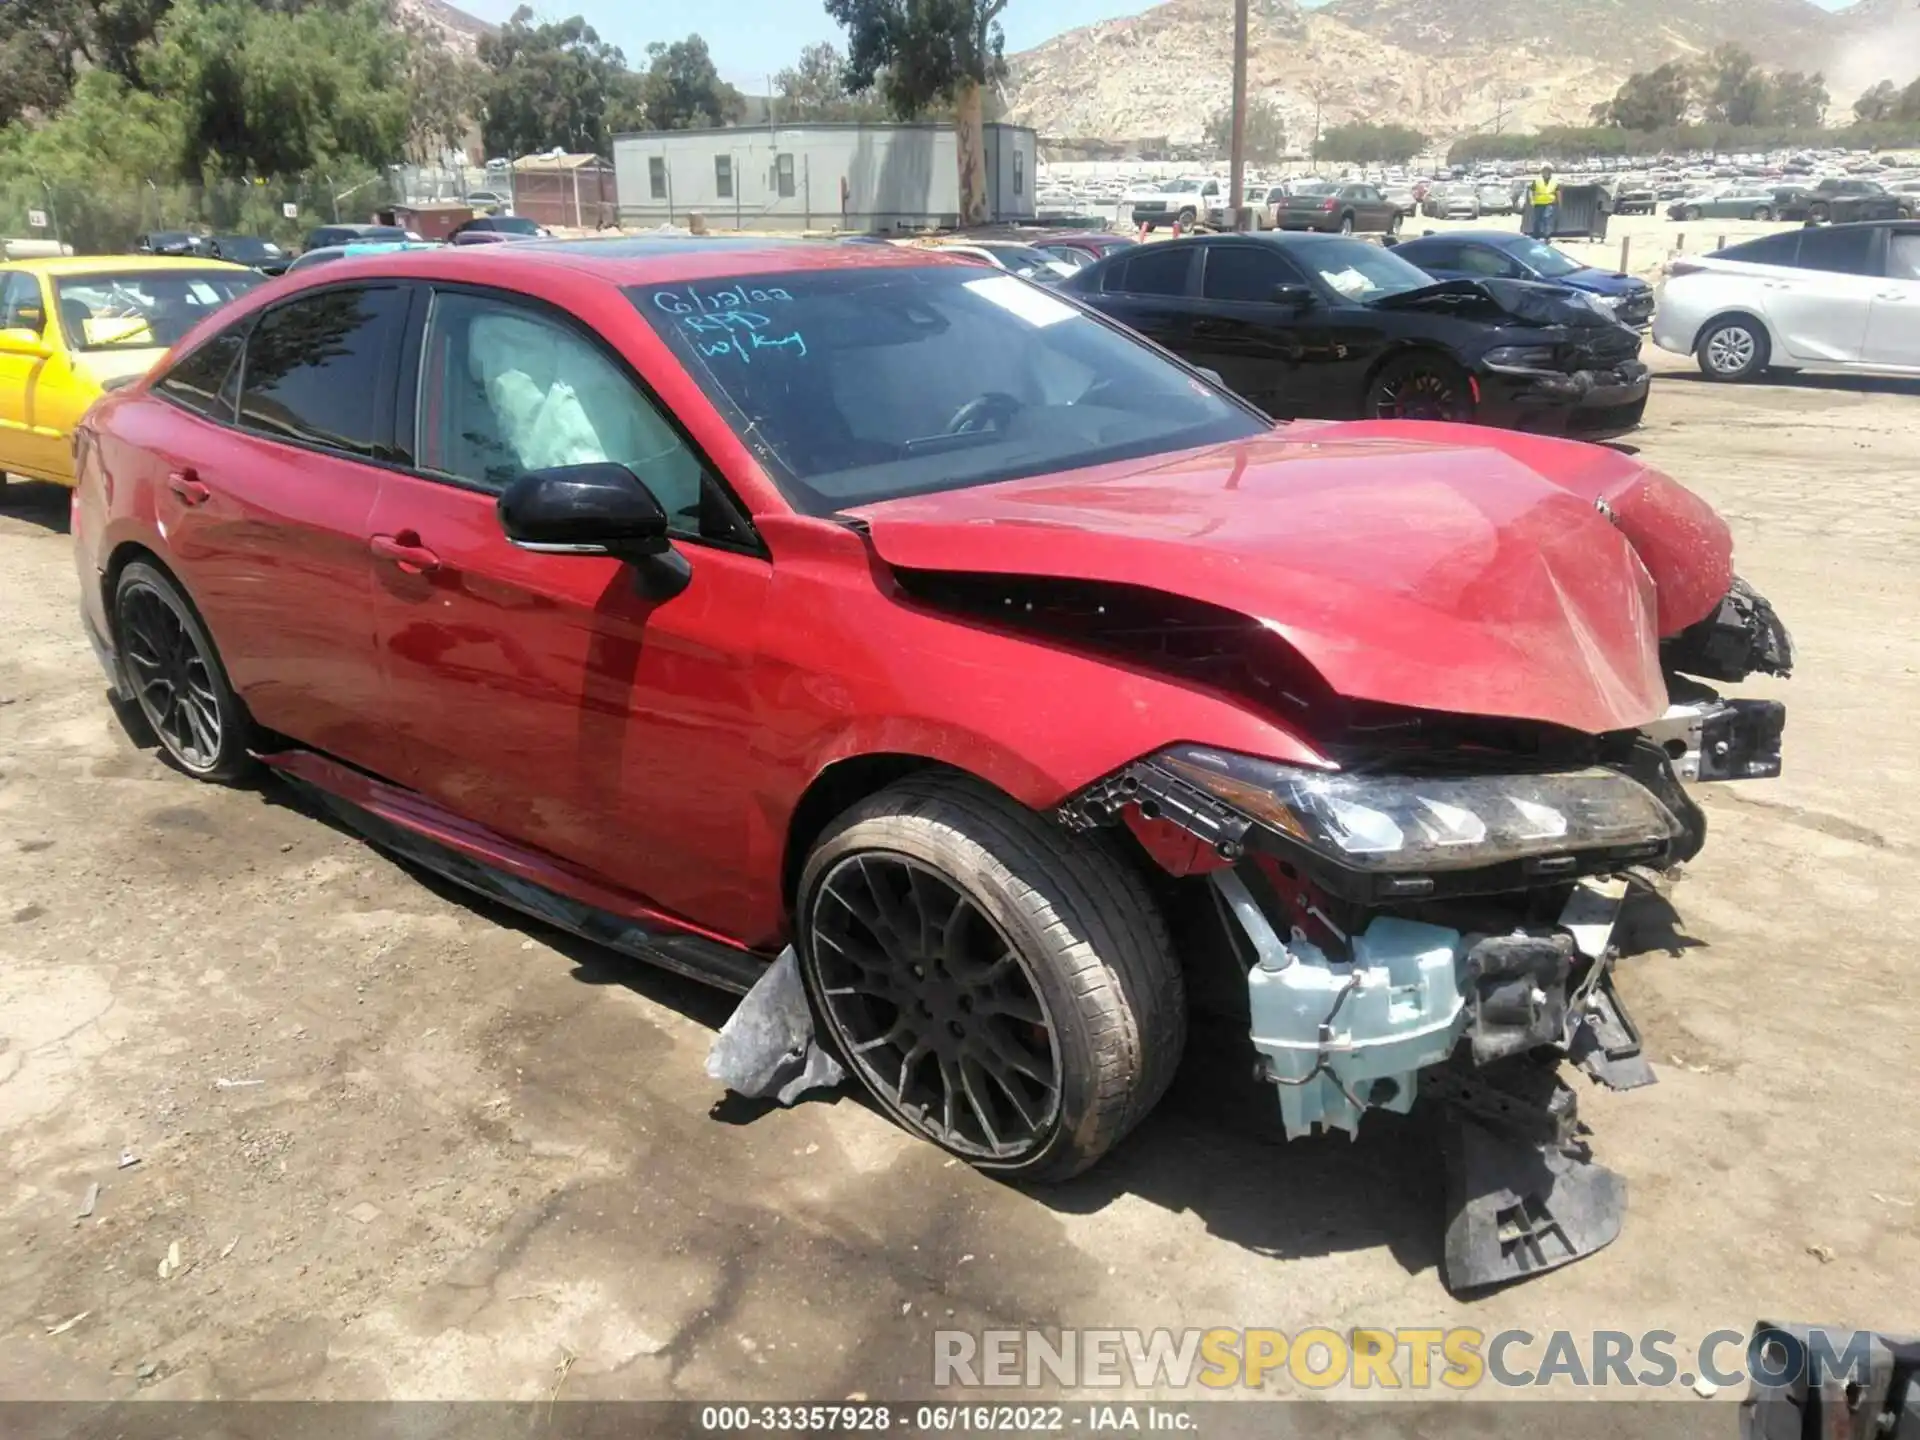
(1161,795)
(1741,740)
(1517,995)
(1516,1209)
(1741,637)
(1830,1381)
(1606,1042)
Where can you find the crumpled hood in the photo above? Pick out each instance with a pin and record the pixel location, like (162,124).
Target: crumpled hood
(1501,301)
(1440,567)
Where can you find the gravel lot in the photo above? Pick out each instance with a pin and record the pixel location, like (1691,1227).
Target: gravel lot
(408,1145)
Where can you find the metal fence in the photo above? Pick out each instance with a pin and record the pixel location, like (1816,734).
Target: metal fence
(106,220)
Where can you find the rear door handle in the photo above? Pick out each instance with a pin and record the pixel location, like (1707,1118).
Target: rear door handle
(185,483)
(406,551)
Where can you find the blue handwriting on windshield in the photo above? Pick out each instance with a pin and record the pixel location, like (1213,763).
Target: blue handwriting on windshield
(719,322)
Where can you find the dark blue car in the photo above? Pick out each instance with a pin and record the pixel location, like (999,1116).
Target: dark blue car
(1480,254)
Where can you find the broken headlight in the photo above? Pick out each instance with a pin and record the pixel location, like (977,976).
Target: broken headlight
(1433,823)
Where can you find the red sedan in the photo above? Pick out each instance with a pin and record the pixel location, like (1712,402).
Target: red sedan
(708,598)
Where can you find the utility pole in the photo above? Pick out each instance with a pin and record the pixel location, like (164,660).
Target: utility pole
(1237,151)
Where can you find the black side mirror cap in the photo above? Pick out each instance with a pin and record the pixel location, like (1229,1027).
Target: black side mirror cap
(596,509)
(1297,296)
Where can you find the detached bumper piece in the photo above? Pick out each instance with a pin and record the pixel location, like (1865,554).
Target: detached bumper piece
(1475,1024)
(1830,1381)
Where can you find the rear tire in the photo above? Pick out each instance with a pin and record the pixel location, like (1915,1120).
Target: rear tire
(1421,386)
(1819,214)
(1763,213)
(1732,350)
(956,945)
(170,666)
(1346,224)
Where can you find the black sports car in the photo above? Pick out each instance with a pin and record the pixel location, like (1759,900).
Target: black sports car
(1334,328)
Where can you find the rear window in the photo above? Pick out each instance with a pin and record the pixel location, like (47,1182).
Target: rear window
(1770,250)
(1155,270)
(317,368)
(1842,250)
(866,384)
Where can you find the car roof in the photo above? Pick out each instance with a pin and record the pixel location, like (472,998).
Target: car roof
(649,260)
(117,264)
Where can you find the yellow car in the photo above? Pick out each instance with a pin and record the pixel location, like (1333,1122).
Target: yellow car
(75,326)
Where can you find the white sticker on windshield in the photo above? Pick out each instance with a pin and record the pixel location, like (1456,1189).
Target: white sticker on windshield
(1016,297)
(1348,281)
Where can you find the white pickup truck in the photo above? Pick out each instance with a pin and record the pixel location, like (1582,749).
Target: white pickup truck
(1184,202)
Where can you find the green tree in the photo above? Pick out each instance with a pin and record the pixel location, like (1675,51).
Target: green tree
(815,88)
(923,52)
(683,91)
(553,86)
(1734,87)
(1370,144)
(1650,100)
(278,91)
(1877,104)
(1265,139)
(1794,98)
(444,93)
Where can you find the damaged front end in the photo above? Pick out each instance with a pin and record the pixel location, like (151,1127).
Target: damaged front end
(1436,924)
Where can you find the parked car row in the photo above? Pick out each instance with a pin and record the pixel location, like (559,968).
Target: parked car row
(1833,200)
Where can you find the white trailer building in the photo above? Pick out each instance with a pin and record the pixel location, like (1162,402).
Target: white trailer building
(853,177)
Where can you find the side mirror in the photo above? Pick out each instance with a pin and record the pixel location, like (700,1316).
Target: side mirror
(597,509)
(1294,297)
(22,341)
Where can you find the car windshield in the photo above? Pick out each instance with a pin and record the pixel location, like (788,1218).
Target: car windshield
(1179,187)
(1314,187)
(864,384)
(142,309)
(1543,259)
(248,247)
(1358,270)
(1025,261)
(511,225)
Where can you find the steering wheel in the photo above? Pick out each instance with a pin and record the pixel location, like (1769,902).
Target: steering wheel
(990,411)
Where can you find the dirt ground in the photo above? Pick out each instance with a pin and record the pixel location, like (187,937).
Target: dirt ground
(407,1145)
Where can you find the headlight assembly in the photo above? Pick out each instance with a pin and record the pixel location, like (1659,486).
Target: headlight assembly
(1520,357)
(1426,824)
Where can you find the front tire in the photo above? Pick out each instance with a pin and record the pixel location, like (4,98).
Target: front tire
(174,673)
(1001,986)
(1693,212)
(1732,350)
(1422,386)
(1819,214)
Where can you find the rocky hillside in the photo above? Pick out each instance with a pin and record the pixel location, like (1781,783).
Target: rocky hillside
(458,29)
(1444,66)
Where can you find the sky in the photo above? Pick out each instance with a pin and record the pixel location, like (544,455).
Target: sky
(750,39)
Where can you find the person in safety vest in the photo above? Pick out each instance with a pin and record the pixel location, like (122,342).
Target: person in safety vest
(1544,196)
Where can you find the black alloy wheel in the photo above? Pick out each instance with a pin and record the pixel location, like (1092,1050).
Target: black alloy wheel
(175,676)
(933,1003)
(1420,387)
(1002,987)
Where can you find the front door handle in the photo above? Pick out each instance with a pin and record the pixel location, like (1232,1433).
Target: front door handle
(406,551)
(186,484)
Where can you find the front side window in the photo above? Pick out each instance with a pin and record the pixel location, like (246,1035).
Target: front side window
(1246,273)
(142,309)
(865,384)
(657,176)
(317,369)
(505,390)
(723,176)
(201,381)
(783,176)
(1844,251)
